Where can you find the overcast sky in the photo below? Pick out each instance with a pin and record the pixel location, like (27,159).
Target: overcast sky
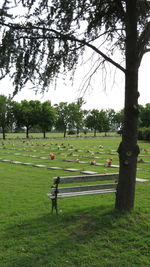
(99,96)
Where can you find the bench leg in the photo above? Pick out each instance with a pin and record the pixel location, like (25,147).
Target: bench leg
(54,205)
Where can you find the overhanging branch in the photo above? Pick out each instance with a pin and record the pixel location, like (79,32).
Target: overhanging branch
(68,37)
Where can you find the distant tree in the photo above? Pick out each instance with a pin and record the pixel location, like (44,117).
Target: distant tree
(76,115)
(62,117)
(27,114)
(145,115)
(92,121)
(119,119)
(5,114)
(47,117)
(104,121)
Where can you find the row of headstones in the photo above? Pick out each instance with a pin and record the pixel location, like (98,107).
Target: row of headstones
(93,162)
(68,146)
(59,168)
(62,149)
(44,166)
(66,160)
(73,155)
(111,152)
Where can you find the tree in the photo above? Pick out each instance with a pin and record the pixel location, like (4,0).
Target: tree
(27,114)
(76,115)
(104,121)
(62,118)
(5,114)
(47,116)
(115,119)
(93,121)
(51,37)
(145,116)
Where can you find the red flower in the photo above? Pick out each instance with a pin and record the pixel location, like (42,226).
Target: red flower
(52,156)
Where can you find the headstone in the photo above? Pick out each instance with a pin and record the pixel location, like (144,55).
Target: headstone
(39,166)
(89,172)
(26,163)
(141,180)
(55,168)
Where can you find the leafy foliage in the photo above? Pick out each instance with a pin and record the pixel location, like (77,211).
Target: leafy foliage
(46,40)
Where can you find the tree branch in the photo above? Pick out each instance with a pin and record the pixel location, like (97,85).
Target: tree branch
(143,41)
(68,37)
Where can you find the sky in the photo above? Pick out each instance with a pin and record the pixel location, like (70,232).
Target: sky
(99,96)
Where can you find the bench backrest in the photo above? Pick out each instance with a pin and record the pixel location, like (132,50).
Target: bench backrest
(84,188)
(85,178)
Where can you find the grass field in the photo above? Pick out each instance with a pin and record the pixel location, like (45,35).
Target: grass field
(88,232)
(54,135)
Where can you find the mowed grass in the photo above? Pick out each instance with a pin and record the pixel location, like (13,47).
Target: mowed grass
(88,230)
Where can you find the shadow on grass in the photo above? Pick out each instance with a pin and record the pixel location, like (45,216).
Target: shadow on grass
(79,226)
(63,239)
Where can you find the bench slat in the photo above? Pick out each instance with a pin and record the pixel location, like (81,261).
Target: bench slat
(84,188)
(87,178)
(83,193)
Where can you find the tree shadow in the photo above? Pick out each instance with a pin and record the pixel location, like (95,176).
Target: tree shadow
(54,235)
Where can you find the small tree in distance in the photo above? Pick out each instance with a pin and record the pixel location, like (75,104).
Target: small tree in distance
(5,115)
(47,117)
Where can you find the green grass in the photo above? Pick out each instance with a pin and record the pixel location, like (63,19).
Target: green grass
(87,231)
(53,135)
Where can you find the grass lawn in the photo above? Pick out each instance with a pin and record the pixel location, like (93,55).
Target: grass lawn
(88,232)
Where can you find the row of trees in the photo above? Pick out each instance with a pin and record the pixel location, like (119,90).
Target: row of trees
(63,117)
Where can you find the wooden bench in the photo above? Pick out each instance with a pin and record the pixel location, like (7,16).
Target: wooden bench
(82,190)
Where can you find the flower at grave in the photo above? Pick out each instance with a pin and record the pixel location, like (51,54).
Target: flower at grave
(52,156)
(93,162)
(109,162)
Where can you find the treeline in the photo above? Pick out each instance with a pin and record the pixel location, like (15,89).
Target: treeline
(69,118)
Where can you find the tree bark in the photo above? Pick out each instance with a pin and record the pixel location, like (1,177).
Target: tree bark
(128,149)
(27,132)
(44,134)
(65,133)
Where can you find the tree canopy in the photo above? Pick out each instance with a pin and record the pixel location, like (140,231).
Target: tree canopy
(48,37)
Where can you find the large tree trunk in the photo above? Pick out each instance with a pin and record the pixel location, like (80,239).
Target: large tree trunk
(128,149)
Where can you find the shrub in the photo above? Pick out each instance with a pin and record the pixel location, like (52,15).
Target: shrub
(71,132)
(144,134)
